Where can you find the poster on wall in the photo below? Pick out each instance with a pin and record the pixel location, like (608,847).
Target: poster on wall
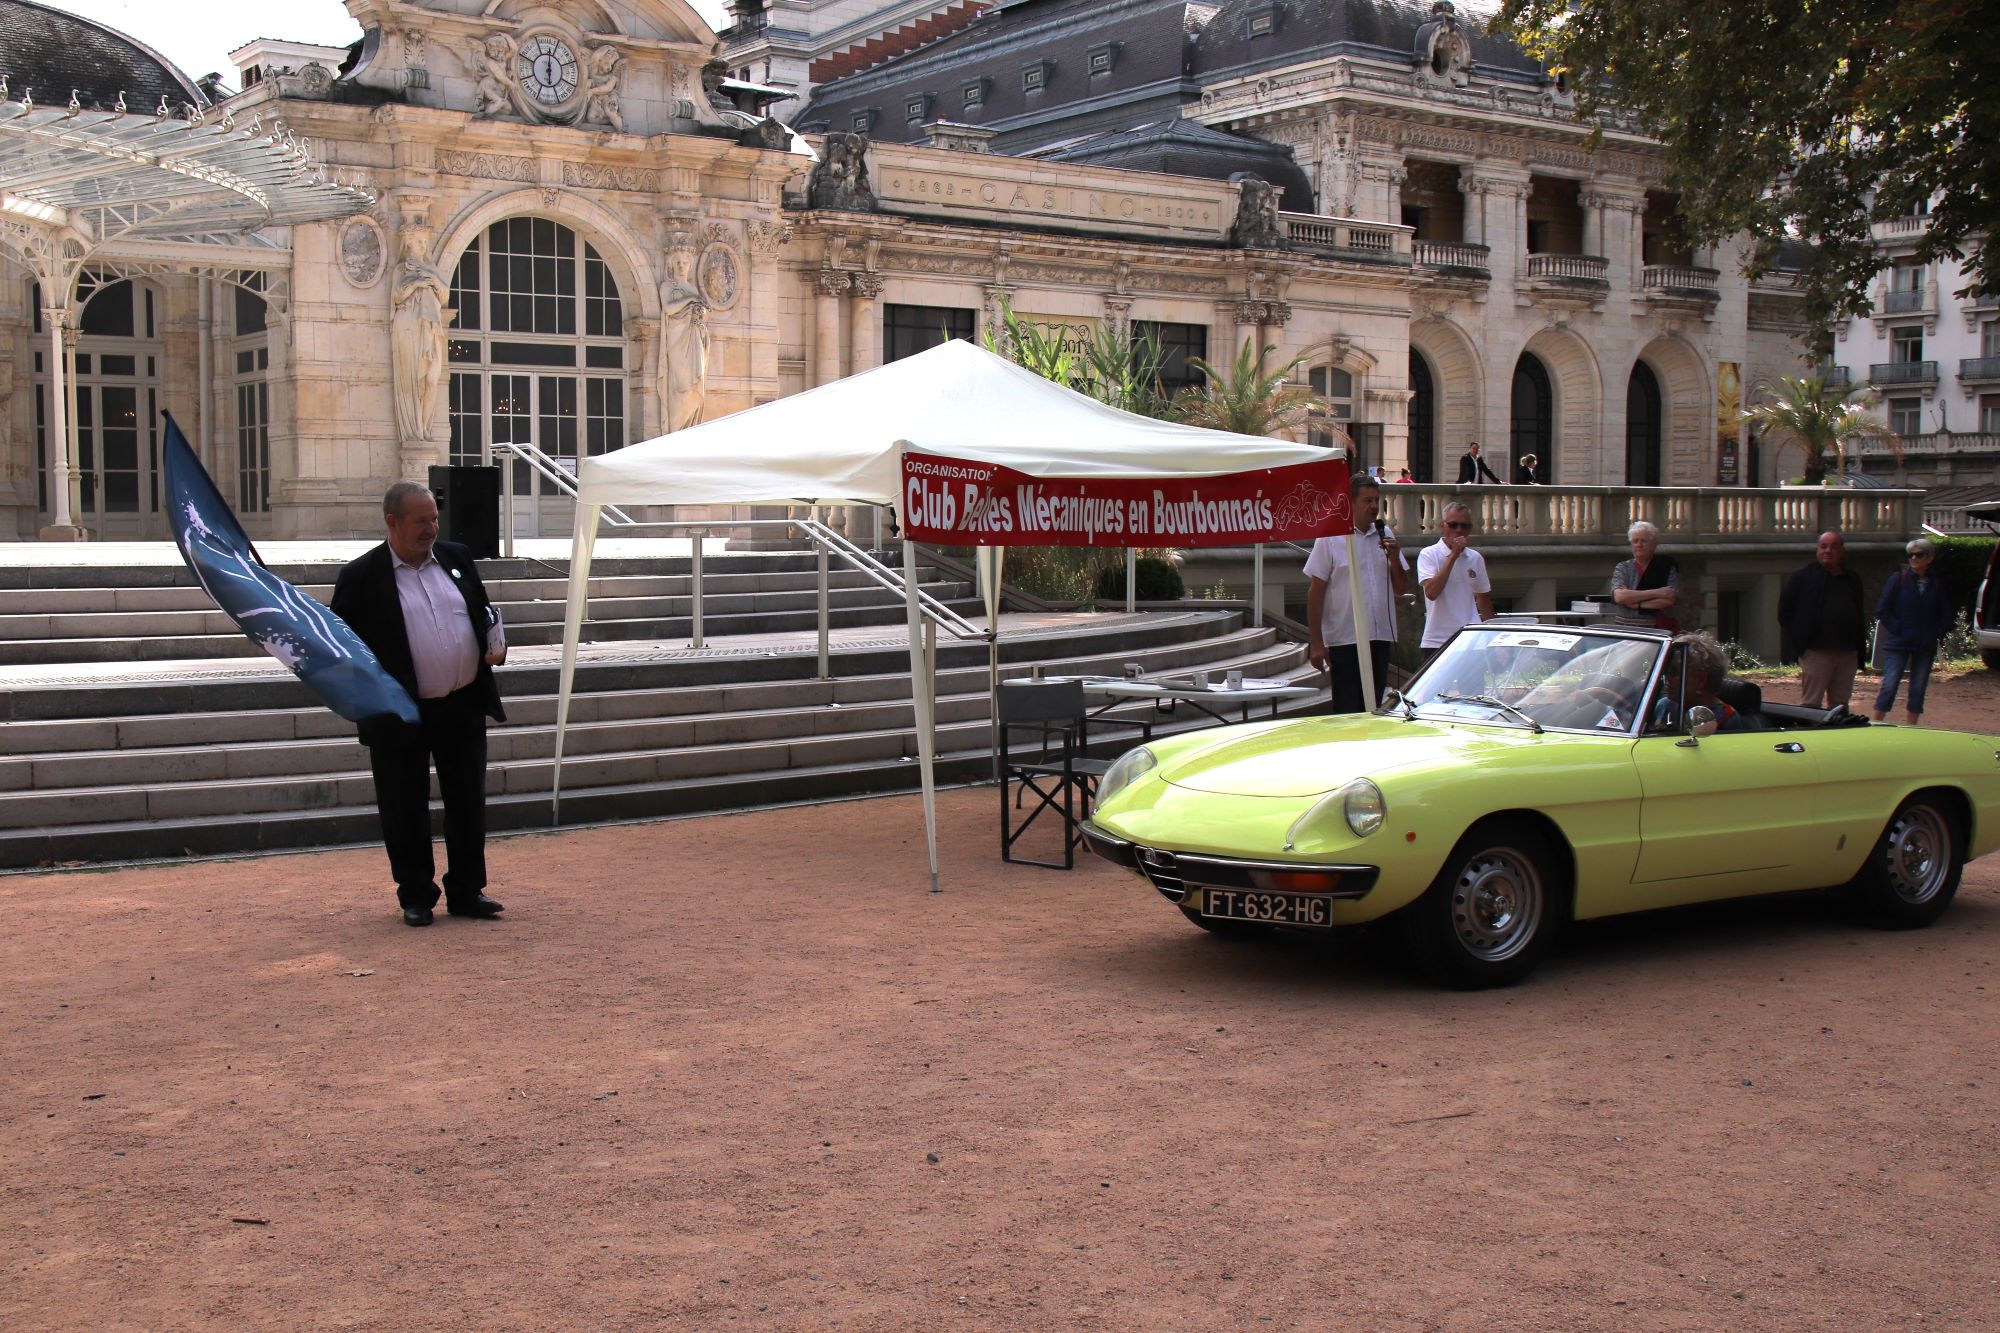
(1728,421)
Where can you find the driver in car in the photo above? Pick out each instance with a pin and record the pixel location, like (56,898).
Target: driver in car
(1707,667)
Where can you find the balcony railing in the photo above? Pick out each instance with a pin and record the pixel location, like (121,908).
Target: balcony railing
(1903,372)
(1836,377)
(1603,514)
(1902,303)
(1455,257)
(1979,369)
(1929,442)
(1592,270)
(1345,238)
(1904,225)
(1680,280)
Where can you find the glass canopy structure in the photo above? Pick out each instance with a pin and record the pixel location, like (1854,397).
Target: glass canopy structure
(108,191)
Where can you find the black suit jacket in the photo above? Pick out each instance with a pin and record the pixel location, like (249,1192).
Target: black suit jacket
(365,597)
(1469,469)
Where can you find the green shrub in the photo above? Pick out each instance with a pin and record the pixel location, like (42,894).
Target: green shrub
(1961,644)
(1961,561)
(1158,580)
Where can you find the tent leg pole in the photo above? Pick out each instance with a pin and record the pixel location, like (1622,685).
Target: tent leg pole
(920,704)
(1131,579)
(1257,586)
(694,640)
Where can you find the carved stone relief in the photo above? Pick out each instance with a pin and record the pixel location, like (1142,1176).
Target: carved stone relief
(361,252)
(491,165)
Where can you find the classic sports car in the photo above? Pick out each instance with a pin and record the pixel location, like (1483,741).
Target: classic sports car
(1534,774)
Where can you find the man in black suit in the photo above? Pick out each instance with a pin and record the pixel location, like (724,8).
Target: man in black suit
(418,603)
(1472,467)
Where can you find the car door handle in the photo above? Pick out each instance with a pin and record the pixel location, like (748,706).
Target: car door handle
(1790,747)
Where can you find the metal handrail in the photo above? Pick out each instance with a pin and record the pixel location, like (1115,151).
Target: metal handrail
(546,468)
(884,576)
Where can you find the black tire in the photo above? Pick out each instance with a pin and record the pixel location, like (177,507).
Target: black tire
(1912,872)
(1489,916)
(1226,929)
(1991,657)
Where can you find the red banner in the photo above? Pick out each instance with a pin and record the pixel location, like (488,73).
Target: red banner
(957,502)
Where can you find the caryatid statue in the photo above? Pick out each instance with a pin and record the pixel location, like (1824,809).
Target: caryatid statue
(420,308)
(683,343)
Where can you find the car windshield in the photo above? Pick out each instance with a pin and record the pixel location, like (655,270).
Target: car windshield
(1574,680)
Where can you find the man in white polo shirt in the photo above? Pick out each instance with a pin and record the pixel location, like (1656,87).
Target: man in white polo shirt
(1453,577)
(1330,606)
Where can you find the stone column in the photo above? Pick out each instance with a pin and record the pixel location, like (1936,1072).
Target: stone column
(63,525)
(641,387)
(865,352)
(284,427)
(826,327)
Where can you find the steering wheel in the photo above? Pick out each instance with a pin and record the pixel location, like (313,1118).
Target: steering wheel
(1610,698)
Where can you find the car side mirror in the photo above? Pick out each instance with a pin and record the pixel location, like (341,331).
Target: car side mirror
(1702,721)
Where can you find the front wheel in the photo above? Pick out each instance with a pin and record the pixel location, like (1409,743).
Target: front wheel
(1488,917)
(1991,657)
(1912,872)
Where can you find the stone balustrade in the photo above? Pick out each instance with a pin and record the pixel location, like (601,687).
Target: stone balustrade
(1570,268)
(1455,256)
(1680,280)
(1347,238)
(1929,442)
(1601,515)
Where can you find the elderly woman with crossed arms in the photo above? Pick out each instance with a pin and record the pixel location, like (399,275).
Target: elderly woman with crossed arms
(1648,586)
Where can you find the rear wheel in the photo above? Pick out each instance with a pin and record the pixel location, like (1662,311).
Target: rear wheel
(1991,657)
(1912,872)
(1488,917)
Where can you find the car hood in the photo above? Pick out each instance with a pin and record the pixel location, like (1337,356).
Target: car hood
(1321,754)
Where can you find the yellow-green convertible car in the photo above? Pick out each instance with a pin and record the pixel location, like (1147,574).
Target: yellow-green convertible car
(1535,774)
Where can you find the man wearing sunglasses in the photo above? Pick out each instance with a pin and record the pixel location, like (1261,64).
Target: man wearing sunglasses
(1453,576)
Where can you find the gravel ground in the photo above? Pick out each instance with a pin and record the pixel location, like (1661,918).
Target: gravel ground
(743,1070)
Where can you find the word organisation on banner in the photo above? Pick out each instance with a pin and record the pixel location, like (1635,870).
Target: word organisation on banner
(958,502)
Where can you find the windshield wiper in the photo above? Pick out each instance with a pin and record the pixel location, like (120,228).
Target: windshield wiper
(1492,702)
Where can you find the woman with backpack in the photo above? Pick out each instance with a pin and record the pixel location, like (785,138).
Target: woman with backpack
(1913,614)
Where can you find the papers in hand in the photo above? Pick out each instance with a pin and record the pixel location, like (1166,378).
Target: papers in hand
(496,634)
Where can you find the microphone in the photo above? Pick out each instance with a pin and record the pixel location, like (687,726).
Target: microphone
(1381,532)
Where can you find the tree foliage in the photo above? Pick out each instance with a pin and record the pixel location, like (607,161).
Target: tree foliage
(1820,420)
(1801,118)
(1250,400)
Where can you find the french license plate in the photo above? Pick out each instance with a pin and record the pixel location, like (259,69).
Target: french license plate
(1280,909)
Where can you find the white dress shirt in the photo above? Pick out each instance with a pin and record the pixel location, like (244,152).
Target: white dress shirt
(1329,561)
(444,646)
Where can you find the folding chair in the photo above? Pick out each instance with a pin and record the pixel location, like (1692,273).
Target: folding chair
(1052,767)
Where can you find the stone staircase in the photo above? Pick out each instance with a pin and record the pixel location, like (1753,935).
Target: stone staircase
(114,747)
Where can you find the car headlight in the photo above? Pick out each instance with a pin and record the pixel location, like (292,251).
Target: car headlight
(1359,804)
(1126,769)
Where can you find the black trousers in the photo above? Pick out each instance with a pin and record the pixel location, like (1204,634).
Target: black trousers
(1344,665)
(453,734)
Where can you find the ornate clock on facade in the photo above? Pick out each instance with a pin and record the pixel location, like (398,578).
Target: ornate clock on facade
(547,69)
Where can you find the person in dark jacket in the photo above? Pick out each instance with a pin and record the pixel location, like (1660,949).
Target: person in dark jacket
(1472,468)
(420,605)
(1915,612)
(1823,624)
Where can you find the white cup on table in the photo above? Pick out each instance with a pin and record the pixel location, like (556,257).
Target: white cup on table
(1234,680)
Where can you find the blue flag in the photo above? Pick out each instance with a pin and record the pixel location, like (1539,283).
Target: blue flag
(289,625)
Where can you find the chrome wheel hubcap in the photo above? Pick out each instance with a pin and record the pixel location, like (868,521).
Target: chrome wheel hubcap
(1919,854)
(1497,904)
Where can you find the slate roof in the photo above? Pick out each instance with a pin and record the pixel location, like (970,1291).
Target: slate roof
(1148,46)
(1182,147)
(50,52)
(1308,29)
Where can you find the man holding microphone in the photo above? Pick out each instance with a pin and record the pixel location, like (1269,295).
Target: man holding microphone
(1457,591)
(1330,608)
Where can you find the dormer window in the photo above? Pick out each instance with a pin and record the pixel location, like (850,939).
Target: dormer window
(1035,77)
(917,108)
(1102,59)
(863,121)
(1262,20)
(973,95)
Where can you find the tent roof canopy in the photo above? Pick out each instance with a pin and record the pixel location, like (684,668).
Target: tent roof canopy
(839,443)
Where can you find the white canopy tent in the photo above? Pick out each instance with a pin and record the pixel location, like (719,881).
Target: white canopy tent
(843,443)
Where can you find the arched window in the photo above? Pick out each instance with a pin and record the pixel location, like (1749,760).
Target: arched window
(116,411)
(1642,427)
(537,352)
(1423,419)
(1533,418)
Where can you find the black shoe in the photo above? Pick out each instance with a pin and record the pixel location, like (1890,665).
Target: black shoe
(482,906)
(416,916)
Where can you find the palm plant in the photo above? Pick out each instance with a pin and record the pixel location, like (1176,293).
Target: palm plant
(1250,399)
(1806,411)
(1113,367)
